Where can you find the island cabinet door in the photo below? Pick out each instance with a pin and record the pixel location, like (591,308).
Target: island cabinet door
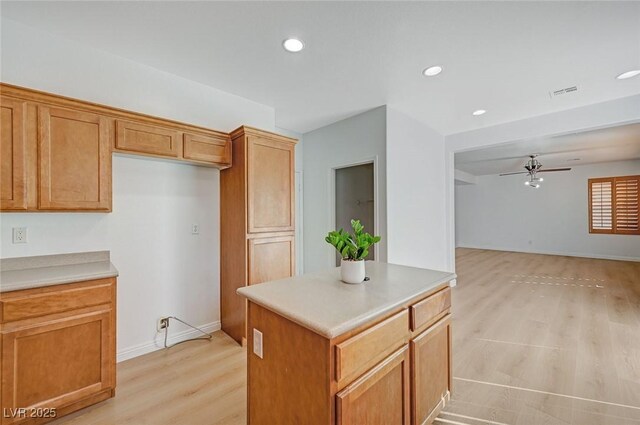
(54,364)
(380,396)
(431,371)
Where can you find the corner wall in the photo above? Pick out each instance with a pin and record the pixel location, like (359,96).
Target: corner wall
(357,139)
(416,198)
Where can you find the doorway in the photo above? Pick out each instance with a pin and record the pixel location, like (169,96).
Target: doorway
(354,199)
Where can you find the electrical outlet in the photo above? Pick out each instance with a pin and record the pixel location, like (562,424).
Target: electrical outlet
(163,323)
(195,229)
(19,235)
(257,343)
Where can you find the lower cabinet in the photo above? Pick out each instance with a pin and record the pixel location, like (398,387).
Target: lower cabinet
(380,396)
(57,351)
(431,371)
(271,258)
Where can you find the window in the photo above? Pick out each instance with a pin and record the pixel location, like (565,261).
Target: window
(613,205)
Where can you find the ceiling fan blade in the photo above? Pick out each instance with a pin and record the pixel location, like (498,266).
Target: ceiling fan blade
(550,170)
(517,172)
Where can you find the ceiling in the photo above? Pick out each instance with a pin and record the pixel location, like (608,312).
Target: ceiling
(605,145)
(504,57)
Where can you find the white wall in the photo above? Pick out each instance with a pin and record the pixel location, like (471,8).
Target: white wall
(416,195)
(164,270)
(356,139)
(502,213)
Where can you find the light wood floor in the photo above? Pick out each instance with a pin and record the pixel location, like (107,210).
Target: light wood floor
(544,339)
(537,340)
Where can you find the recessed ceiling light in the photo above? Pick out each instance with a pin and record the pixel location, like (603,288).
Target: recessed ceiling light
(479,112)
(628,74)
(432,71)
(293,45)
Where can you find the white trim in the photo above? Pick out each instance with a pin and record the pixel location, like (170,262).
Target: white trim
(564,254)
(157,343)
(376,202)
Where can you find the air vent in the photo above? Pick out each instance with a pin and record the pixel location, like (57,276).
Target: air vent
(565,90)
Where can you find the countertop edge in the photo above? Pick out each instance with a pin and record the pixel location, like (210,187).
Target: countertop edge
(352,324)
(57,280)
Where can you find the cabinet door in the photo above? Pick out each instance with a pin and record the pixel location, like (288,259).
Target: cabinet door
(146,139)
(74,160)
(201,148)
(431,371)
(271,258)
(270,185)
(57,363)
(13,180)
(381,396)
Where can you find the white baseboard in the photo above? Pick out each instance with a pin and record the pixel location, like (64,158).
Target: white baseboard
(567,254)
(158,342)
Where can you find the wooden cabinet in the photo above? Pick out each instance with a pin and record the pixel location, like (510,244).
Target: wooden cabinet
(74,160)
(146,139)
(379,373)
(257,209)
(431,365)
(55,151)
(57,347)
(380,396)
(270,185)
(13,177)
(214,149)
(271,258)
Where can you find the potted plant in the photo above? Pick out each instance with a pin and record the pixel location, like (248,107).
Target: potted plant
(353,249)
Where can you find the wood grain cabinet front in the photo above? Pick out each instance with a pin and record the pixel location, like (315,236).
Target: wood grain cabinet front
(74,160)
(270,185)
(13,177)
(146,139)
(271,258)
(380,396)
(57,354)
(207,149)
(431,371)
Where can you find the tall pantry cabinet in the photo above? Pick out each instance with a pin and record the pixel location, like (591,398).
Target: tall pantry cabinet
(257,216)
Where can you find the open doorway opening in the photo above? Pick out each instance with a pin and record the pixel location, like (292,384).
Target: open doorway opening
(354,199)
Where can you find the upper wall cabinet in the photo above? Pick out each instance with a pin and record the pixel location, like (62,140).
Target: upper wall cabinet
(146,139)
(13,177)
(74,160)
(270,184)
(56,151)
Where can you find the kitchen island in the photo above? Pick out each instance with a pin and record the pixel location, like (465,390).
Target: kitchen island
(324,352)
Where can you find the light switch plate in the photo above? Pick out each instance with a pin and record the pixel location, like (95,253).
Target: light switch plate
(257,343)
(19,235)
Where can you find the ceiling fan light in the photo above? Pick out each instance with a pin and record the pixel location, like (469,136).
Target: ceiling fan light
(527,183)
(540,179)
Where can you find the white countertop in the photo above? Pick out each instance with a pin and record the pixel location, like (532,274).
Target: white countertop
(324,304)
(34,272)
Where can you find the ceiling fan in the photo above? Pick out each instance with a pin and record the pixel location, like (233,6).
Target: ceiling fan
(533,167)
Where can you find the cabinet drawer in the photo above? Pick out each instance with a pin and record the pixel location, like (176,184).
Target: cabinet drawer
(358,354)
(54,299)
(216,150)
(428,310)
(134,137)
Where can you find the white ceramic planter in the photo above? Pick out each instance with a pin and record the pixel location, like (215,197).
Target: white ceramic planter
(352,271)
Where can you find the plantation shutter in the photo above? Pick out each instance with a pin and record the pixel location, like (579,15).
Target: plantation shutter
(601,205)
(626,205)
